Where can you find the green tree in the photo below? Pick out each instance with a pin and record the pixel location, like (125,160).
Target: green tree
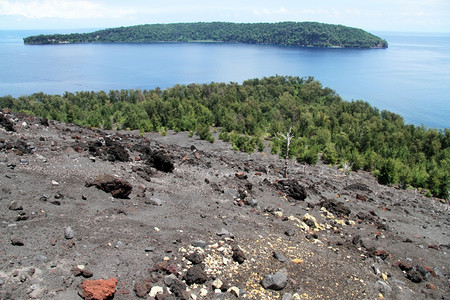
(389,172)
(330,154)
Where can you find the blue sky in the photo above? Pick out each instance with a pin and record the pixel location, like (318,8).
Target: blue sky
(372,15)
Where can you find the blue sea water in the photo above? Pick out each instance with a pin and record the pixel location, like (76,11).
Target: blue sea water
(411,77)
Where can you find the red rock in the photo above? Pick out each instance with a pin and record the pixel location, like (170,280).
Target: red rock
(53,242)
(431,286)
(432,272)
(404,266)
(98,289)
(165,267)
(78,149)
(142,288)
(361,197)
(241,175)
(435,247)
(381,253)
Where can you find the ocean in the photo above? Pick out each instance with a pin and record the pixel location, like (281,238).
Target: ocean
(410,78)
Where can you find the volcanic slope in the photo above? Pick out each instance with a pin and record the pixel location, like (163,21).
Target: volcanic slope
(98,214)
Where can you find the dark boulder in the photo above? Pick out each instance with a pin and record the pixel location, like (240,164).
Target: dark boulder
(142,288)
(335,207)
(276,281)
(196,274)
(177,287)
(117,153)
(238,255)
(146,173)
(415,276)
(195,258)
(6,123)
(292,188)
(21,147)
(160,161)
(118,188)
(110,151)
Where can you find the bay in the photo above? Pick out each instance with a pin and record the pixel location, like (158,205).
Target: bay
(411,77)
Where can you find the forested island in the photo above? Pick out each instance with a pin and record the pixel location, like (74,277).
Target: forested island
(257,113)
(304,34)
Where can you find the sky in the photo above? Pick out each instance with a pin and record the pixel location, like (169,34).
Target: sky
(371,15)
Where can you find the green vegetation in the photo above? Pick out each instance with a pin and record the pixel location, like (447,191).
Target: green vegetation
(260,109)
(286,33)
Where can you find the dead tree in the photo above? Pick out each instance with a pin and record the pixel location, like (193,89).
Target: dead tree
(288,138)
(347,171)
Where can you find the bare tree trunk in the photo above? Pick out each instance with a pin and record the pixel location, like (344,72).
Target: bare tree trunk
(288,138)
(347,171)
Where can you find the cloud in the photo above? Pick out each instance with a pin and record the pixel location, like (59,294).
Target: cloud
(65,9)
(413,14)
(266,11)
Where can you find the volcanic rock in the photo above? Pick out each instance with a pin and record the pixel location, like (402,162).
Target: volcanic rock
(177,287)
(415,276)
(160,161)
(118,188)
(292,188)
(14,205)
(195,258)
(196,274)
(361,197)
(68,233)
(116,152)
(98,289)
(198,243)
(238,255)
(335,207)
(142,288)
(276,281)
(16,242)
(6,122)
(404,266)
(279,256)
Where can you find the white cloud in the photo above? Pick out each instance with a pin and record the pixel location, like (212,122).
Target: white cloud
(65,9)
(266,11)
(413,13)
(356,12)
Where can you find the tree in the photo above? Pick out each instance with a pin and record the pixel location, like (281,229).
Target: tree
(309,156)
(204,133)
(389,172)
(330,154)
(288,138)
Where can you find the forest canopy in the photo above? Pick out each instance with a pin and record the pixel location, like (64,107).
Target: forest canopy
(255,112)
(304,34)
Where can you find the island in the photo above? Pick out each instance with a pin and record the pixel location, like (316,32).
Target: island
(303,34)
